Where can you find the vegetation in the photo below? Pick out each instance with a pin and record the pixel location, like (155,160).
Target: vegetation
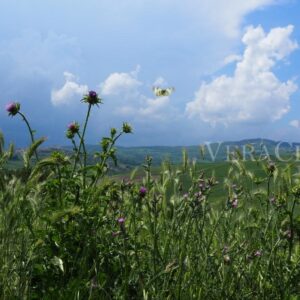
(187,231)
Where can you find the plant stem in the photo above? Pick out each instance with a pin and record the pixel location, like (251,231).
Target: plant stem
(101,166)
(82,138)
(291,215)
(84,158)
(30,131)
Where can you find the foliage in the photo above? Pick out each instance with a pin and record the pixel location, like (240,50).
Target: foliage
(70,232)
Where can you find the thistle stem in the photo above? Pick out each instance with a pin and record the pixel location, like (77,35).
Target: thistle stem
(82,138)
(30,131)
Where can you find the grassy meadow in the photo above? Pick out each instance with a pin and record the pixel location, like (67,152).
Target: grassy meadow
(190,230)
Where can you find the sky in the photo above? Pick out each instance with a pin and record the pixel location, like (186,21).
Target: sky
(234,65)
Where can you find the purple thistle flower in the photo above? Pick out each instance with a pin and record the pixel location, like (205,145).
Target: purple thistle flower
(121,221)
(92,94)
(91,98)
(142,192)
(257,253)
(12,108)
(73,127)
(234,203)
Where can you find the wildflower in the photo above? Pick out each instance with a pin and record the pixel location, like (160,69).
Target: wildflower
(12,108)
(142,192)
(257,253)
(185,196)
(121,221)
(73,128)
(115,233)
(91,98)
(234,203)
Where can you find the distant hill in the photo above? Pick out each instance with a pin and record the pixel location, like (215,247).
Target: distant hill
(129,157)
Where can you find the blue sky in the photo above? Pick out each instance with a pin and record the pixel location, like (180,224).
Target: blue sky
(234,65)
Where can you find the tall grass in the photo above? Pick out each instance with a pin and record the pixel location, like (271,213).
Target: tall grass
(70,232)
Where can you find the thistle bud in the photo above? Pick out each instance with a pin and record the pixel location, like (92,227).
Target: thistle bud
(13,108)
(127,128)
(73,127)
(91,98)
(142,192)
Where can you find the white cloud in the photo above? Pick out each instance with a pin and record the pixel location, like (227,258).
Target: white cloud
(253,93)
(160,81)
(135,101)
(120,83)
(232,58)
(229,14)
(155,107)
(148,108)
(295,123)
(69,92)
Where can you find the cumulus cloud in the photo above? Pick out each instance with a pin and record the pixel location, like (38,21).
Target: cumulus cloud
(232,58)
(253,93)
(155,107)
(150,108)
(138,104)
(69,92)
(295,123)
(121,83)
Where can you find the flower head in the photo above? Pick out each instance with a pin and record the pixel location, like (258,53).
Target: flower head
(73,128)
(257,253)
(121,221)
(127,128)
(234,203)
(12,108)
(142,192)
(91,98)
